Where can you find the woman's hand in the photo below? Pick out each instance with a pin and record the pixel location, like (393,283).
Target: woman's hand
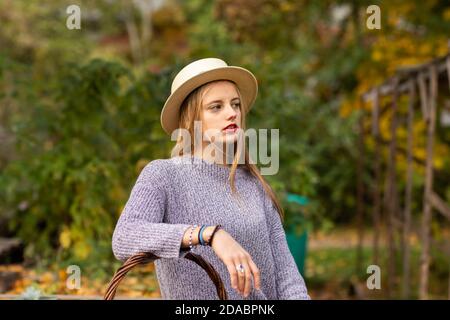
(232,254)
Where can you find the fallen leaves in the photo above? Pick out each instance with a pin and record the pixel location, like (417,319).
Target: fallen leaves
(139,283)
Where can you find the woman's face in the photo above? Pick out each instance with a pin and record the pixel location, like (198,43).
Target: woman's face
(221,108)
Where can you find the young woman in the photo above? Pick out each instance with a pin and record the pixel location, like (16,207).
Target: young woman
(214,203)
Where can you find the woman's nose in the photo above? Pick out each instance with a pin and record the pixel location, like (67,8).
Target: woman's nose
(231,112)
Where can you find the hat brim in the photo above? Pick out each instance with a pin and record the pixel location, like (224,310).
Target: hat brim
(244,79)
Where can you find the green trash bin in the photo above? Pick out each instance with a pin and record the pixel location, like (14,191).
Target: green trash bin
(298,245)
(296,233)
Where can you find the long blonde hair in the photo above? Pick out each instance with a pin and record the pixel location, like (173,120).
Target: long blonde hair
(190,111)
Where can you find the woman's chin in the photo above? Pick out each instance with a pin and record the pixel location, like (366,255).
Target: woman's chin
(229,138)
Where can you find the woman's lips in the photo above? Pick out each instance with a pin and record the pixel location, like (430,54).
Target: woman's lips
(231,129)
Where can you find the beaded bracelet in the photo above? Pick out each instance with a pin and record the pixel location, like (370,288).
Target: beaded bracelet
(190,237)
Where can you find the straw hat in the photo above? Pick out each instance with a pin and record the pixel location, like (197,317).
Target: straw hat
(201,72)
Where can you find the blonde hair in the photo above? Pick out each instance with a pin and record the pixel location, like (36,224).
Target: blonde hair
(190,111)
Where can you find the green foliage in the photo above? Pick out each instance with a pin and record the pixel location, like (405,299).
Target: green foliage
(69,182)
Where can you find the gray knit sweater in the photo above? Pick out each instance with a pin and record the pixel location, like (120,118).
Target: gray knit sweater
(172,194)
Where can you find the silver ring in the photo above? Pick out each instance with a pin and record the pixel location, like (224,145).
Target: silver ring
(240,268)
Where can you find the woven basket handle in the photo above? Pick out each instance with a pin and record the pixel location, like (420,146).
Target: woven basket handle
(147,257)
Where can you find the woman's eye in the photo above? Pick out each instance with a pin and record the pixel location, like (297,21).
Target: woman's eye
(217,106)
(237,105)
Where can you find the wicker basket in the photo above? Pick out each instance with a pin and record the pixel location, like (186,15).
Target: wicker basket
(146,257)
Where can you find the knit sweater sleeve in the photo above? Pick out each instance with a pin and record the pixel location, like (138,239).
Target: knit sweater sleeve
(140,227)
(290,283)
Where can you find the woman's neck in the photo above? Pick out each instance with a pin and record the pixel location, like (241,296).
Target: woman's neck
(219,157)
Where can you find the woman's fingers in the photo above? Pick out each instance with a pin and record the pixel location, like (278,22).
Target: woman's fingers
(247,278)
(233,274)
(240,276)
(256,274)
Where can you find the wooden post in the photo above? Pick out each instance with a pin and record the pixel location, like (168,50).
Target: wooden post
(427,210)
(423,96)
(408,194)
(360,191)
(448,298)
(376,215)
(390,198)
(447,62)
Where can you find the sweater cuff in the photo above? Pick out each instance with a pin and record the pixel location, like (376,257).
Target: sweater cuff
(162,239)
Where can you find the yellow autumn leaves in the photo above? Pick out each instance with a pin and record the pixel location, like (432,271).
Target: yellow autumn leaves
(139,283)
(70,238)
